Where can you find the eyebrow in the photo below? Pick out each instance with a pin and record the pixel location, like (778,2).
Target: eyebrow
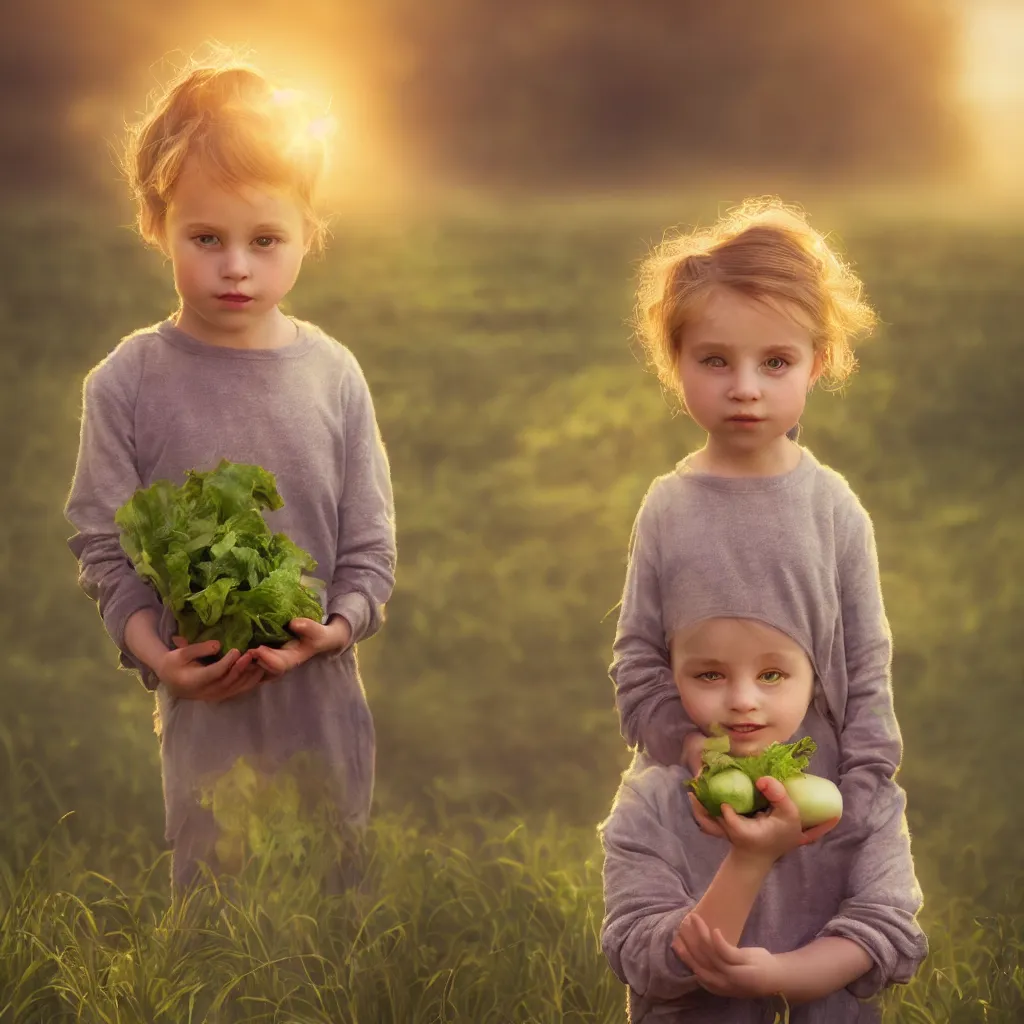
(693,662)
(781,348)
(259,229)
(770,657)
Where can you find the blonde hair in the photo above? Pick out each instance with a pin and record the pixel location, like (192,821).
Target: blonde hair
(225,113)
(767,251)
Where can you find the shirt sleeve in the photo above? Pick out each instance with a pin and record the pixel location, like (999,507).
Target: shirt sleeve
(105,477)
(364,571)
(651,715)
(870,743)
(646,895)
(884,898)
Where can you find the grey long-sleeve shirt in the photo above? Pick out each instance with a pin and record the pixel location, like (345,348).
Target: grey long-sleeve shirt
(797,548)
(658,864)
(162,403)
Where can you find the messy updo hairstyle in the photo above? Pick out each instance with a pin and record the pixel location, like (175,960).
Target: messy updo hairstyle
(764,250)
(242,130)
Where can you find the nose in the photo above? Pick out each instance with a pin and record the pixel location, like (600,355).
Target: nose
(234,264)
(744,385)
(743,695)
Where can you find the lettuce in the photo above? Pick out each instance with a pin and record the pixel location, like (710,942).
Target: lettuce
(208,552)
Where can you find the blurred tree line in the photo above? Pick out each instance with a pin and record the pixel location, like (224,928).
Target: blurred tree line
(538,92)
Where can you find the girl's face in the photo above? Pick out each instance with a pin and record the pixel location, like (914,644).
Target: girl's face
(236,253)
(745,370)
(745,676)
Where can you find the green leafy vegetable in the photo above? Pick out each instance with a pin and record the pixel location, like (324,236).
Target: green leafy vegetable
(209,553)
(781,761)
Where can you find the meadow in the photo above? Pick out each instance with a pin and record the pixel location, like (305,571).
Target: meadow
(523,432)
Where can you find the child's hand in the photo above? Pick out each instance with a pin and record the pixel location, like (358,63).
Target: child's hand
(722,968)
(769,834)
(693,750)
(314,638)
(179,670)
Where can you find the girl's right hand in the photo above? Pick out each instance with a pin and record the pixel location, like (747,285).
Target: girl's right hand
(185,678)
(767,835)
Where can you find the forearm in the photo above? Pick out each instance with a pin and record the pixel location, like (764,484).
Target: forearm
(726,903)
(820,968)
(142,639)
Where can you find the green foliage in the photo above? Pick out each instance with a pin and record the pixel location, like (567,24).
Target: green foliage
(470,920)
(208,552)
(779,760)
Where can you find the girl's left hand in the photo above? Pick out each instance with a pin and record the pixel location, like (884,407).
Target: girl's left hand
(721,968)
(314,638)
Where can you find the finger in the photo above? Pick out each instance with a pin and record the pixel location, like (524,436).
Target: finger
(778,796)
(193,652)
(773,790)
(234,661)
(228,683)
(710,950)
(270,660)
(726,952)
(693,931)
(733,825)
(813,834)
(250,681)
(179,641)
(704,820)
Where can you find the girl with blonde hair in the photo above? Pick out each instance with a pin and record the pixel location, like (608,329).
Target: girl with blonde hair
(224,169)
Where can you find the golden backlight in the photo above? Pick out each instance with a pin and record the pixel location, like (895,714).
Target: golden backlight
(992,84)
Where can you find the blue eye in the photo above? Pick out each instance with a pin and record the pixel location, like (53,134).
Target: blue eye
(772,672)
(266,241)
(715,361)
(710,677)
(206,240)
(776,359)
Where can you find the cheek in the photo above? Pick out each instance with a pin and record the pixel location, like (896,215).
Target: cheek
(699,703)
(187,266)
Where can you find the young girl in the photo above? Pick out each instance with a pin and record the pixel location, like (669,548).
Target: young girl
(742,320)
(826,922)
(224,170)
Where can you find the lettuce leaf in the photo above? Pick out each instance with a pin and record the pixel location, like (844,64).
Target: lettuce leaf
(210,555)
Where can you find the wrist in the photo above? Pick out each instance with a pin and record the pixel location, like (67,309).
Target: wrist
(750,864)
(777,979)
(142,640)
(339,630)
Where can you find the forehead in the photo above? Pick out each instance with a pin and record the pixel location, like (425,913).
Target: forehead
(738,321)
(201,197)
(734,641)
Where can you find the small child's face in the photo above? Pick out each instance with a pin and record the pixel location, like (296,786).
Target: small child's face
(745,370)
(236,252)
(751,679)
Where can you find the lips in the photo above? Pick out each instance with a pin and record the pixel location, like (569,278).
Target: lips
(235,297)
(745,419)
(744,728)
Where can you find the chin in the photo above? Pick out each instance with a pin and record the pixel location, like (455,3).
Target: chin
(745,746)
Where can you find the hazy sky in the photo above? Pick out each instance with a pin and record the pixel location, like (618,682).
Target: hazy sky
(994,51)
(993,82)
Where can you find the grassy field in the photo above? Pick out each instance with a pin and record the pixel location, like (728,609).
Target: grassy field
(522,433)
